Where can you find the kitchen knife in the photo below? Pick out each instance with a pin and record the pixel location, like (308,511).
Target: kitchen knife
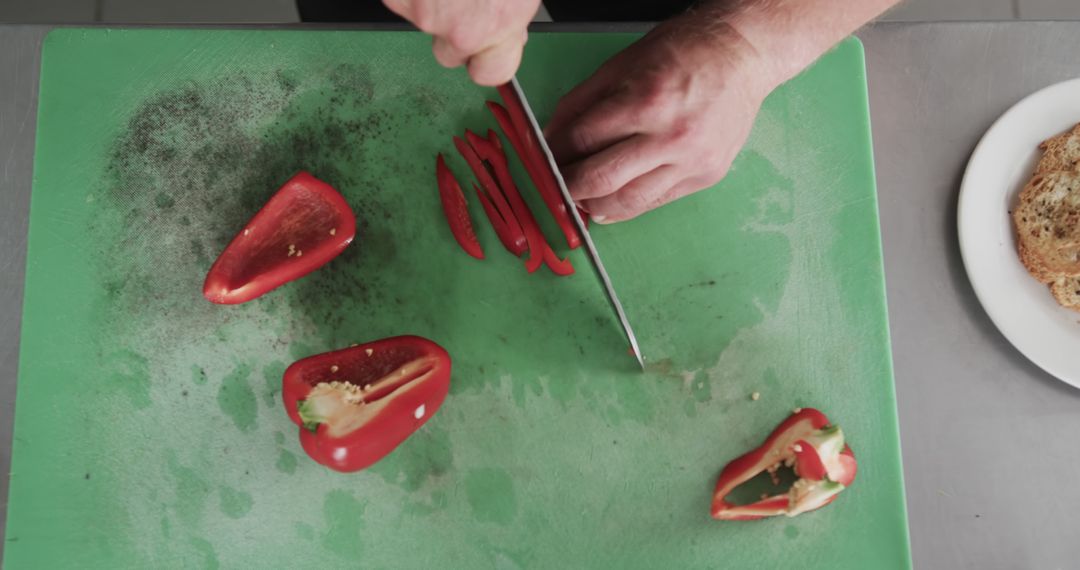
(590,247)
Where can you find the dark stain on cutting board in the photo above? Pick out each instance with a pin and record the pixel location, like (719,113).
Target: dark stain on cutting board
(196,161)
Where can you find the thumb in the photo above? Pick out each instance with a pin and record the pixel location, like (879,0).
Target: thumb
(498,63)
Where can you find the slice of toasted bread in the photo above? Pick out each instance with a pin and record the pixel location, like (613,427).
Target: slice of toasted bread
(1047,220)
(1061,152)
(1067,292)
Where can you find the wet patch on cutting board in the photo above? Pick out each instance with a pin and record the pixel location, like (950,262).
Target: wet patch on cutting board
(198,161)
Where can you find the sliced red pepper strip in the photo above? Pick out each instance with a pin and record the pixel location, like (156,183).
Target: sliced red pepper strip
(495,140)
(354,406)
(556,265)
(816,450)
(515,126)
(304,225)
(488,184)
(767,507)
(490,153)
(514,243)
(456,209)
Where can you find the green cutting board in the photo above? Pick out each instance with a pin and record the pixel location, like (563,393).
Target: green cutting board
(149,430)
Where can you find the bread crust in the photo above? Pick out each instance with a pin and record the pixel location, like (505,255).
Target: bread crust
(1066,292)
(1061,152)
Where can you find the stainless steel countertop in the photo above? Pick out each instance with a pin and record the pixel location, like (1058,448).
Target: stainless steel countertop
(20,56)
(988,438)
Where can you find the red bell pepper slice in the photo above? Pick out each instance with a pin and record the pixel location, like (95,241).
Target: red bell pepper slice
(514,243)
(482,174)
(557,266)
(515,125)
(354,406)
(456,209)
(493,137)
(493,156)
(805,441)
(304,225)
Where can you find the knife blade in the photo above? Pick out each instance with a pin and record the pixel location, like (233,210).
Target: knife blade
(590,246)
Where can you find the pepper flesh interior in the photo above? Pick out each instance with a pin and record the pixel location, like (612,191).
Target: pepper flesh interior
(344,406)
(828,442)
(806,494)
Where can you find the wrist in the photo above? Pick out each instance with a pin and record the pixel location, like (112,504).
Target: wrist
(789,36)
(779,54)
(704,39)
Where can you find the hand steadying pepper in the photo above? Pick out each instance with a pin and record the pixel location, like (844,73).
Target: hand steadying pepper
(667,116)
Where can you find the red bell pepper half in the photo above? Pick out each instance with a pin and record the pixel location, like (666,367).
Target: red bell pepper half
(515,125)
(805,441)
(354,406)
(303,226)
(456,210)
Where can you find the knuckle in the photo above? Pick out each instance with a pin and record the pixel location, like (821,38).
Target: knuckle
(482,73)
(443,53)
(596,181)
(651,107)
(719,166)
(461,39)
(653,93)
(706,174)
(658,96)
(633,203)
(423,16)
(683,131)
(580,139)
(712,176)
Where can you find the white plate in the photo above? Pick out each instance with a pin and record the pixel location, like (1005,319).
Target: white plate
(1021,307)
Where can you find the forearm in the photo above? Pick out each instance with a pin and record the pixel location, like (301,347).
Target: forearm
(788,35)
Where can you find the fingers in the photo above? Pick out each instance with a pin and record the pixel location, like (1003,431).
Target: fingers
(614,167)
(600,126)
(635,197)
(486,35)
(642,195)
(576,102)
(446,54)
(497,64)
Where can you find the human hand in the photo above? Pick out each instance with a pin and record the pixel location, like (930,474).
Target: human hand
(486,35)
(660,120)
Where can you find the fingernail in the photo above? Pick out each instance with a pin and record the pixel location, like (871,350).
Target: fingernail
(598,219)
